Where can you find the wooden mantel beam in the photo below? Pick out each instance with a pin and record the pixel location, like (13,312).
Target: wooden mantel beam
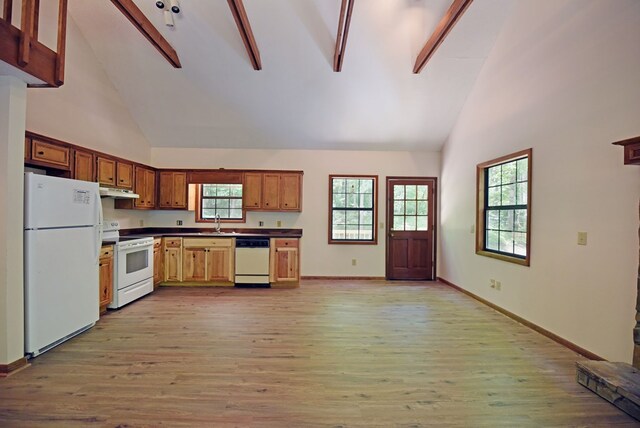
(142,23)
(448,21)
(343,31)
(244,27)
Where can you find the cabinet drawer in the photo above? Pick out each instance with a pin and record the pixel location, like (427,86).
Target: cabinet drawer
(157,243)
(208,242)
(51,154)
(173,242)
(287,243)
(106,252)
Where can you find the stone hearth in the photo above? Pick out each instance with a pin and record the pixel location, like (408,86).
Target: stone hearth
(618,383)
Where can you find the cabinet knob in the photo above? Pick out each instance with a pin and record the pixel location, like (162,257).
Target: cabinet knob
(41,153)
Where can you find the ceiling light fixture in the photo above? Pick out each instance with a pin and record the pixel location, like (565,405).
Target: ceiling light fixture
(168,8)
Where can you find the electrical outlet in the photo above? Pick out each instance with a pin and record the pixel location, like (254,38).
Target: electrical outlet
(382,225)
(141,223)
(498,285)
(354,262)
(179,222)
(261,223)
(279,223)
(472,229)
(492,283)
(582,238)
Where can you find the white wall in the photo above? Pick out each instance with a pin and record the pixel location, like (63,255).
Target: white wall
(563,79)
(87,110)
(318,258)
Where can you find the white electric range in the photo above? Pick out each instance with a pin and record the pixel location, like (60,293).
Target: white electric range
(133,265)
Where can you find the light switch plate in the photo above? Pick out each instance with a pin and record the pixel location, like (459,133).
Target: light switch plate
(582,238)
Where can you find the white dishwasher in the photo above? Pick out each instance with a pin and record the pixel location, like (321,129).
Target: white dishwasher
(252,262)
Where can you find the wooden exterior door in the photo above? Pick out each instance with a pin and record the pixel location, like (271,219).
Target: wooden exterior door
(411,228)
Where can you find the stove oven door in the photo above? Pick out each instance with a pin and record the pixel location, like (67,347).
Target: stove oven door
(135,263)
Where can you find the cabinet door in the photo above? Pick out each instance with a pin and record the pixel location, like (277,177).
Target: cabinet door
(50,154)
(290,192)
(270,191)
(173,264)
(218,264)
(252,190)
(83,166)
(157,265)
(286,264)
(106,281)
(180,190)
(140,188)
(106,171)
(125,175)
(166,190)
(150,187)
(194,264)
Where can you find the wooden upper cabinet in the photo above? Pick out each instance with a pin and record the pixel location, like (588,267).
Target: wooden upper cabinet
(150,187)
(106,171)
(27,149)
(114,173)
(124,175)
(252,190)
(50,154)
(83,165)
(290,194)
(271,191)
(173,190)
(145,186)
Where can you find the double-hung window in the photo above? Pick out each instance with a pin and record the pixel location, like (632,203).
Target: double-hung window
(504,208)
(353,209)
(224,200)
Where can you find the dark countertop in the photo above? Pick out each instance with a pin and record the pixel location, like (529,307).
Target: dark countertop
(195,232)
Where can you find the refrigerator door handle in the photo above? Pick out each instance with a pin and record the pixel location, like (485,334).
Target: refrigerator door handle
(98,227)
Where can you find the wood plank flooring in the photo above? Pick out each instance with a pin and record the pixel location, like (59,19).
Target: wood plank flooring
(339,354)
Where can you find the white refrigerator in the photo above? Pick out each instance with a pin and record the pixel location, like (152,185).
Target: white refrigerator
(62,240)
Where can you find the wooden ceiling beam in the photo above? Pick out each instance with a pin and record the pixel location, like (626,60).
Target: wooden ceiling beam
(244,27)
(448,21)
(142,23)
(343,32)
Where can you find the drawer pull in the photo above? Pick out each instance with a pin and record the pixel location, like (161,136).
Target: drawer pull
(41,153)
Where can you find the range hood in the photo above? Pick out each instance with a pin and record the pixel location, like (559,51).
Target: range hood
(108,192)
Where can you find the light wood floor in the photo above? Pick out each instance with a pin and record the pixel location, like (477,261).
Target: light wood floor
(327,354)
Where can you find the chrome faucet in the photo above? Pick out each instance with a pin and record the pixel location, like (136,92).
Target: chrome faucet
(218,223)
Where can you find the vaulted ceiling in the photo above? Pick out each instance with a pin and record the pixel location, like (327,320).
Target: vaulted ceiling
(296,101)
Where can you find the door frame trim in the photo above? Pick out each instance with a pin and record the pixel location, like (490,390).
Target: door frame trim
(388,228)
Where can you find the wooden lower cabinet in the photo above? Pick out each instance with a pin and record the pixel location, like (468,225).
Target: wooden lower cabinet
(106,276)
(172,259)
(194,264)
(285,262)
(208,260)
(158,266)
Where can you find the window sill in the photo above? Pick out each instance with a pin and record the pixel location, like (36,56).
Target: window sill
(375,242)
(504,258)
